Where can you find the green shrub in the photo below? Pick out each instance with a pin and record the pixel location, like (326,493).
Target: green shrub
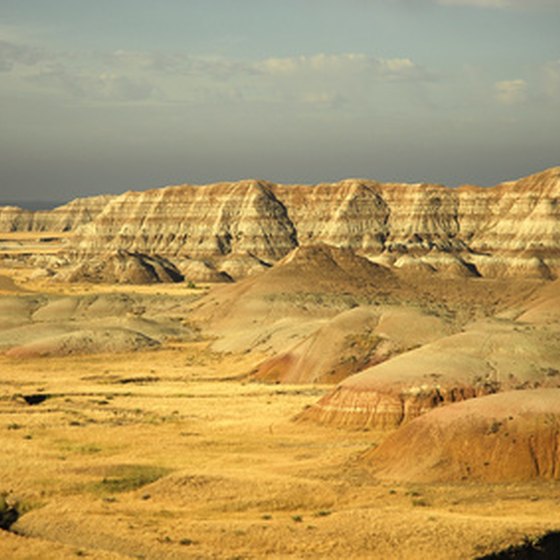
(125,478)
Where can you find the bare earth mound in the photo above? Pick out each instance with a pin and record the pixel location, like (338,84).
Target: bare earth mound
(14,311)
(350,342)
(343,346)
(314,269)
(90,341)
(200,271)
(324,267)
(489,358)
(508,437)
(123,267)
(59,326)
(279,307)
(545,309)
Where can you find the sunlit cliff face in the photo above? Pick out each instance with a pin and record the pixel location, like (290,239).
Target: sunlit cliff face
(507,230)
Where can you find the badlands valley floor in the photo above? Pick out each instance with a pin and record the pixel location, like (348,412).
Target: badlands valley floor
(172,422)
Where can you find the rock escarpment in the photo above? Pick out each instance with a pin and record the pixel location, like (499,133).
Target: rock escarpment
(512,229)
(214,222)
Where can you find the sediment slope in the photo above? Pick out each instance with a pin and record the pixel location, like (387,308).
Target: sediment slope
(274,309)
(507,437)
(490,357)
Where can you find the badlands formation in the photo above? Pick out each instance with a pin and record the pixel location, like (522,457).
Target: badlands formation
(239,228)
(254,370)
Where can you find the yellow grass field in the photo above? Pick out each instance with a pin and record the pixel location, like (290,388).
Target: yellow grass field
(157,455)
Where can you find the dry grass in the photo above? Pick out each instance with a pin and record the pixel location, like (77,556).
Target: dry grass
(188,465)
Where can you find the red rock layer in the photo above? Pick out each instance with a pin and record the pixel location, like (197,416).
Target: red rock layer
(513,436)
(486,359)
(386,410)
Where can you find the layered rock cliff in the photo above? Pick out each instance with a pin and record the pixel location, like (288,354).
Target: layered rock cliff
(510,229)
(63,218)
(198,222)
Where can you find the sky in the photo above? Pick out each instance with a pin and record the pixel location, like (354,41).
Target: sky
(113,95)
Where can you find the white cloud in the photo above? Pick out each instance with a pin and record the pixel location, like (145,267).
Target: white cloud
(398,64)
(123,88)
(319,63)
(178,64)
(323,99)
(318,80)
(477,3)
(325,65)
(136,59)
(511,92)
(57,78)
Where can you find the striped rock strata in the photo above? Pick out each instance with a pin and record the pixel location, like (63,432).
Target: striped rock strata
(510,229)
(63,218)
(490,357)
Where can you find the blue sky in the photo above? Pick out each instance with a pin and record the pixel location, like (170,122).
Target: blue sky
(108,96)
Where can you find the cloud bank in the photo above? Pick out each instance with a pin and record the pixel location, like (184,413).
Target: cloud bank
(160,77)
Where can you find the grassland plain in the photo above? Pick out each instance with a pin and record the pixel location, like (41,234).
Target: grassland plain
(155,455)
